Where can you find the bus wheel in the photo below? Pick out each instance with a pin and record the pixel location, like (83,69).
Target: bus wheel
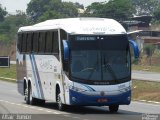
(60,105)
(28,96)
(113,108)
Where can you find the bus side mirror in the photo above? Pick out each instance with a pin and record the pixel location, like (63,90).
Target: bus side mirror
(66,50)
(135,48)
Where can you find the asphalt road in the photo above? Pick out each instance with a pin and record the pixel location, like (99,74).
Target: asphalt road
(144,75)
(12,103)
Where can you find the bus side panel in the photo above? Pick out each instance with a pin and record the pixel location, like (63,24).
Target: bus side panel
(44,72)
(67,85)
(21,72)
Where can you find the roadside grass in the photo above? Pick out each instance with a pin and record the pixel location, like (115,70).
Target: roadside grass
(146,68)
(8,73)
(146,90)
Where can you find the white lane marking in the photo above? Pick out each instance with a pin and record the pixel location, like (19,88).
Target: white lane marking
(76,117)
(67,115)
(35,108)
(48,111)
(45,110)
(56,113)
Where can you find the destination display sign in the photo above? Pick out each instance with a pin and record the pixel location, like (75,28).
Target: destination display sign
(85,38)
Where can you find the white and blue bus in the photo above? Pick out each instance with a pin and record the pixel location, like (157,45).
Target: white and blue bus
(75,61)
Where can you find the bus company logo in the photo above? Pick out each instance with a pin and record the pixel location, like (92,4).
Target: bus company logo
(99,29)
(150,117)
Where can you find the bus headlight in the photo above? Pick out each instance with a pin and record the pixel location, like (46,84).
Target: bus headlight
(129,98)
(78,89)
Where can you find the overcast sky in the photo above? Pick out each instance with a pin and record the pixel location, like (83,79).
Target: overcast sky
(13,5)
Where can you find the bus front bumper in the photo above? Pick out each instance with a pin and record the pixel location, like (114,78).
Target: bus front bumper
(80,98)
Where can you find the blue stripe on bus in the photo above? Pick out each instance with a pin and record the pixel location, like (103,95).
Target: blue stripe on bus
(90,88)
(38,77)
(35,78)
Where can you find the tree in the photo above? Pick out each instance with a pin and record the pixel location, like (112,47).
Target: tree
(156,14)
(149,50)
(9,27)
(145,7)
(116,9)
(3,13)
(40,10)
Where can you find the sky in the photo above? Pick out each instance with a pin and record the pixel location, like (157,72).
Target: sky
(13,5)
(85,2)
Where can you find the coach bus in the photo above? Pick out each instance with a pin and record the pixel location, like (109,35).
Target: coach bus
(76,62)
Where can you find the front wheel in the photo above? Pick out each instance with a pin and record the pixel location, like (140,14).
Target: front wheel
(60,105)
(113,108)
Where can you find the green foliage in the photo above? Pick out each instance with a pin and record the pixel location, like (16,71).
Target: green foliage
(149,49)
(116,9)
(9,27)
(3,13)
(145,7)
(40,10)
(156,14)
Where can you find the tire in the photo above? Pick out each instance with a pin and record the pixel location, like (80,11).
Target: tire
(28,96)
(113,108)
(60,105)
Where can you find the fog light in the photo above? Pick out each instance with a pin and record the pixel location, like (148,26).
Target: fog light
(73,99)
(129,98)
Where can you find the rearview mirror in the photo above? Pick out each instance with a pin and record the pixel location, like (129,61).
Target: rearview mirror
(66,50)
(135,48)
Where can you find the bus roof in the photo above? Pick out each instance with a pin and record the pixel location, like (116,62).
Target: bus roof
(79,26)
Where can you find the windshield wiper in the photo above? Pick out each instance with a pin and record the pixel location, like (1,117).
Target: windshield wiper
(110,70)
(94,67)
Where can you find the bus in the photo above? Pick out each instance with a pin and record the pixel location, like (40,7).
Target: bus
(75,62)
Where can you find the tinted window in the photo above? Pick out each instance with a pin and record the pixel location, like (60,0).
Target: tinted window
(55,42)
(24,43)
(29,42)
(42,42)
(49,42)
(35,42)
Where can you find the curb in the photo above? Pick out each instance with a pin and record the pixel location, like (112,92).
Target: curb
(154,102)
(8,78)
(149,80)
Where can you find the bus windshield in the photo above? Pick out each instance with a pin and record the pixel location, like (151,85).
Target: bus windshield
(100,59)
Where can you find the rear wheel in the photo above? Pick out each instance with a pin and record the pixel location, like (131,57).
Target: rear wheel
(28,95)
(31,100)
(113,108)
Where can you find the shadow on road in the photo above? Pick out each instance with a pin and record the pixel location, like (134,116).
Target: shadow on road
(89,110)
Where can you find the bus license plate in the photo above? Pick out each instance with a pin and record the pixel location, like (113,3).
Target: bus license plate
(100,100)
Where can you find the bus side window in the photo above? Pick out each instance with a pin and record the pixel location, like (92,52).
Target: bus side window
(24,42)
(49,42)
(42,38)
(19,42)
(29,42)
(35,42)
(55,42)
